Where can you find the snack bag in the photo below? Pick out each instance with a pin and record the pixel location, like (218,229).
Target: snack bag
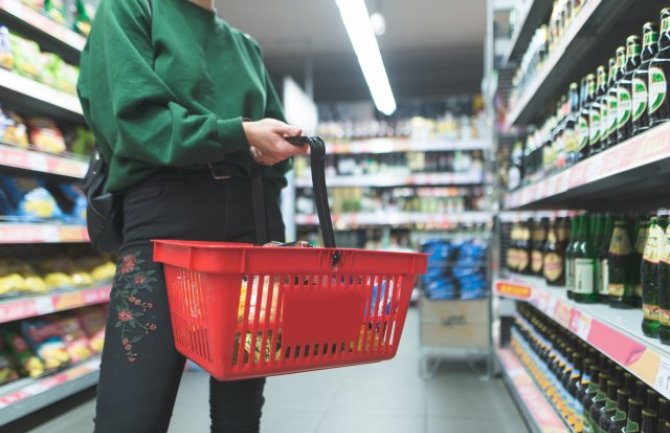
(27,58)
(29,364)
(13,129)
(104,272)
(11,284)
(51,65)
(45,135)
(92,321)
(29,199)
(76,341)
(6,57)
(45,336)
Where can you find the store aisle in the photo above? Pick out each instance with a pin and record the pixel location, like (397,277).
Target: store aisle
(380,398)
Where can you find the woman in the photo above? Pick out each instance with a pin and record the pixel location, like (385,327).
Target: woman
(169,90)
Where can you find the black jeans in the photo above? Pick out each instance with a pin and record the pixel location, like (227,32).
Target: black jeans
(141,369)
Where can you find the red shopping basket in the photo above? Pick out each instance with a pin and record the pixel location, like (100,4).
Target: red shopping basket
(242,311)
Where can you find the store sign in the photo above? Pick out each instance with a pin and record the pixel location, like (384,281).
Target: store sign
(510,290)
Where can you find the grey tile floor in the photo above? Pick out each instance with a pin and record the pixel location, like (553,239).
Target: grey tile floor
(381,398)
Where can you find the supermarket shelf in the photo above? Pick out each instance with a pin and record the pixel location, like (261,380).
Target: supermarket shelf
(539,414)
(344,221)
(40,27)
(29,395)
(15,233)
(394,179)
(537,12)
(38,97)
(627,174)
(40,162)
(390,145)
(25,307)
(616,333)
(588,40)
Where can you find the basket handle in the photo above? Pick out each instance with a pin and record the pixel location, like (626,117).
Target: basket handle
(318,157)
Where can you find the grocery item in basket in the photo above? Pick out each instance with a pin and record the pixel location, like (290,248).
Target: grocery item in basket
(92,321)
(76,341)
(45,135)
(258,347)
(27,58)
(28,364)
(13,129)
(45,336)
(258,305)
(6,58)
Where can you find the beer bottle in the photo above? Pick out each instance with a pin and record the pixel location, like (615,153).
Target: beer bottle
(651,401)
(641,78)
(618,421)
(625,107)
(539,241)
(590,395)
(584,258)
(663,412)
(664,289)
(613,95)
(570,257)
(596,109)
(599,403)
(598,230)
(634,418)
(571,133)
(524,249)
(649,278)
(563,134)
(510,256)
(605,106)
(586,103)
(649,421)
(666,427)
(602,269)
(608,411)
(620,289)
(659,68)
(554,253)
(640,231)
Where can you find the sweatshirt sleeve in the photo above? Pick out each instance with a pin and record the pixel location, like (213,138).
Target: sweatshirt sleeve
(131,109)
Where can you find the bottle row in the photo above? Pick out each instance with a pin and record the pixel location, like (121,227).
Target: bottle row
(617,260)
(590,391)
(609,107)
(435,200)
(545,41)
(397,163)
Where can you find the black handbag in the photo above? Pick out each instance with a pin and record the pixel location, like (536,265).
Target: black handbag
(104,214)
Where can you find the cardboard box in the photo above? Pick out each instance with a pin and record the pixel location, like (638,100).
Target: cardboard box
(462,324)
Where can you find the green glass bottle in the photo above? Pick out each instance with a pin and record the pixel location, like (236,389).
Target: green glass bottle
(640,232)
(625,107)
(664,289)
(666,427)
(663,411)
(590,392)
(649,278)
(553,257)
(620,289)
(606,229)
(570,257)
(588,100)
(617,422)
(595,126)
(649,421)
(608,411)
(659,68)
(634,418)
(641,78)
(613,95)
(604,107)
(584,258)
(598,401)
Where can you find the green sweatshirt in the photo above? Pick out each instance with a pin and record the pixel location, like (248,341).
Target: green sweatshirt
(171,89)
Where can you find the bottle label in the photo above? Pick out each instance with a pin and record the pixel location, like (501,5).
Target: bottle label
(604,118)
(640,98)
(522,260)
(665,253)
(594,126)
(664,316)
(649,39)
(583,132)
(612,116)
(655,242)
(651,312)
(584,276)
(620,244)
(624,107)
(616,289)
(604,276)
(511,258)
(536,261)
(665,25)
(658,88)
(569,274)
(552,267)
(632,427)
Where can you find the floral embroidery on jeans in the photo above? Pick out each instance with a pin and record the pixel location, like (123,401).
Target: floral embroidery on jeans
(131,284)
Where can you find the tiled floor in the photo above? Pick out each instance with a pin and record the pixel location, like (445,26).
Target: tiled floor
(380,398)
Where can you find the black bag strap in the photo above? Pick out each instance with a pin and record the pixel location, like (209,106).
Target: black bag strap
(258,202)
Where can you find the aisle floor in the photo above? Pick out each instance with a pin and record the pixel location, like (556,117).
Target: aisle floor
(382,398)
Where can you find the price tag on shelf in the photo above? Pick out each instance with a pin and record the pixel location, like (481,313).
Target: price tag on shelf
(513,290)
(38,162)
(580,324)
(562,315)
(16,310)
(663,377)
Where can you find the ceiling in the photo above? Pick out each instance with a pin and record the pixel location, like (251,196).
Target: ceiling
(431,48)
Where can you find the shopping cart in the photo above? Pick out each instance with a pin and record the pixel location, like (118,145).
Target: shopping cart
(242,311)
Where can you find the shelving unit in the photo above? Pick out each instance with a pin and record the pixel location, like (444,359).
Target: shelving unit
(530,19)
(44,233)
(347,221)
(539,414)
(21,398)
(19,308)
(390,145)
(35,161)
(394,179)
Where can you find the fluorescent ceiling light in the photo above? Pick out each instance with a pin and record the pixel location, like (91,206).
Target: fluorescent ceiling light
(359,27)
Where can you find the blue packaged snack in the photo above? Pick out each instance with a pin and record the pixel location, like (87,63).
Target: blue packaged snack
(29,199)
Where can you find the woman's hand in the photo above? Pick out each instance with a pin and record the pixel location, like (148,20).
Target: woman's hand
(267,143)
